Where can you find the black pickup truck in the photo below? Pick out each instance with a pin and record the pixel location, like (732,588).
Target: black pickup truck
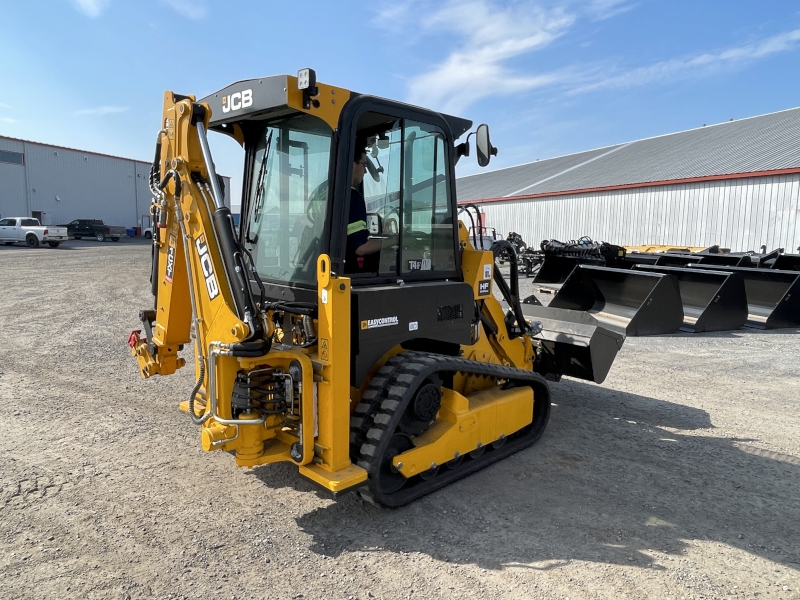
(80,228)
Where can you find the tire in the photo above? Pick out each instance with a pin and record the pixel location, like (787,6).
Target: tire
(77,237)
(114,239)
(53,244)
(101,237)
(32,241)
(148,234)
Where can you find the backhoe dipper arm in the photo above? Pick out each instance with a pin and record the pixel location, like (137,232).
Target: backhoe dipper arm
(198,274)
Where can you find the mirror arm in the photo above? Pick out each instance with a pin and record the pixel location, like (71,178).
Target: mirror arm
(462,149)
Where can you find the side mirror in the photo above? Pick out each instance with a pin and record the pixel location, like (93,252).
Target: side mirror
(483,146)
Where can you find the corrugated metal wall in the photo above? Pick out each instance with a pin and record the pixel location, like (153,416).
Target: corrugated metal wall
(740,214)
(12,182)
(67,184)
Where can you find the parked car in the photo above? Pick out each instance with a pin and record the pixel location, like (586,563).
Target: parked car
(30,231)
(86,228)
(148,232)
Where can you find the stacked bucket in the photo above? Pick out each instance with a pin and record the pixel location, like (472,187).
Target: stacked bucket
(651,294)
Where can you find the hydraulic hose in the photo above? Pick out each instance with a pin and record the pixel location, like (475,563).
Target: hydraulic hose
(201,375)
(511,295)
(251,349)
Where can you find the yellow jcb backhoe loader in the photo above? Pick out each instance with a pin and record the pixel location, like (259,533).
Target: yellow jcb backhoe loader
(392,373)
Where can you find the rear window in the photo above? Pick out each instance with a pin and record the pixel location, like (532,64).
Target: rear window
(29,222)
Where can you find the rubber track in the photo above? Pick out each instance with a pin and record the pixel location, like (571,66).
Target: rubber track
(371,400)
(384,408)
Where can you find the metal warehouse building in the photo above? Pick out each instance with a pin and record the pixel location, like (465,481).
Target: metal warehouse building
(736,184)
(58,184)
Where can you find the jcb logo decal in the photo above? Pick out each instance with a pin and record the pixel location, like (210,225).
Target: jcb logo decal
(208,267)
(237,101)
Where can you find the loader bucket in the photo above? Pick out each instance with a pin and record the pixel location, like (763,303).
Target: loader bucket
(725,260)
(556,269)
(787,262)
(773,297)
(574,344)
(712,300)
(637,259)
(677,260)
(629,302)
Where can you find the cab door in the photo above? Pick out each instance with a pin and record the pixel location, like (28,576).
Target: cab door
(7,230)
(408,191)
(76,228)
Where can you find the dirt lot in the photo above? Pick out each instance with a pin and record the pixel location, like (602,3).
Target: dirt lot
(679,477)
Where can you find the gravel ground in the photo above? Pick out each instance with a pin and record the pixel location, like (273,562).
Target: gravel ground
(679,477)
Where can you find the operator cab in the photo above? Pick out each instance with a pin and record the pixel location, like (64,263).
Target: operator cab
(300,155)
(293,214)
(298,175)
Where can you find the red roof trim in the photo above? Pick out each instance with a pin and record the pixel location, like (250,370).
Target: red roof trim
(637,185)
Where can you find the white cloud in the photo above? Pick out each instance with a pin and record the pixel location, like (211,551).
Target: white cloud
(7,120)
(394,17)
(102,111)
(91,8)
(191,9)
(605,9)
(682,67)
(488,37)
(4,105)
(491,35)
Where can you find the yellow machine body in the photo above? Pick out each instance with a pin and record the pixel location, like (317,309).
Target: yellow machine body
(277,380)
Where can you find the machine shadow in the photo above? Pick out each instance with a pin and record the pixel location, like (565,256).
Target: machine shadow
(617,478)
(733,334)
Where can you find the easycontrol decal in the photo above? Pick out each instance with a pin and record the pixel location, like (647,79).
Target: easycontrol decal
(382,322)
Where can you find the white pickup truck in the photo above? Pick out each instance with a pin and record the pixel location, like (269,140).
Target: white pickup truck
(30,231)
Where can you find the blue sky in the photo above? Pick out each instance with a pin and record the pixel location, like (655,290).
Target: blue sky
(550,77)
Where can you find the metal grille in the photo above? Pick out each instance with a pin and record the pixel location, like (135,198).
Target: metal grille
(450,312)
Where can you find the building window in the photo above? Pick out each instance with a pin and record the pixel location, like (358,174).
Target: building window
(14,158)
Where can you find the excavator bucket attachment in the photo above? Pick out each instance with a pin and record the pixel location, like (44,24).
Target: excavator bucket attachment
(629,302)
(712,300)
(773,297)
(574,344)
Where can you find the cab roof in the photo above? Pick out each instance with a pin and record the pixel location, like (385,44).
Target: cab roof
(269,97)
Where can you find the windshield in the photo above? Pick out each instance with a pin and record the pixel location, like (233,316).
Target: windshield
(289,198)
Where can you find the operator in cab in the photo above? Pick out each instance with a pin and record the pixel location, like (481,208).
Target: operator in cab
(361,253)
